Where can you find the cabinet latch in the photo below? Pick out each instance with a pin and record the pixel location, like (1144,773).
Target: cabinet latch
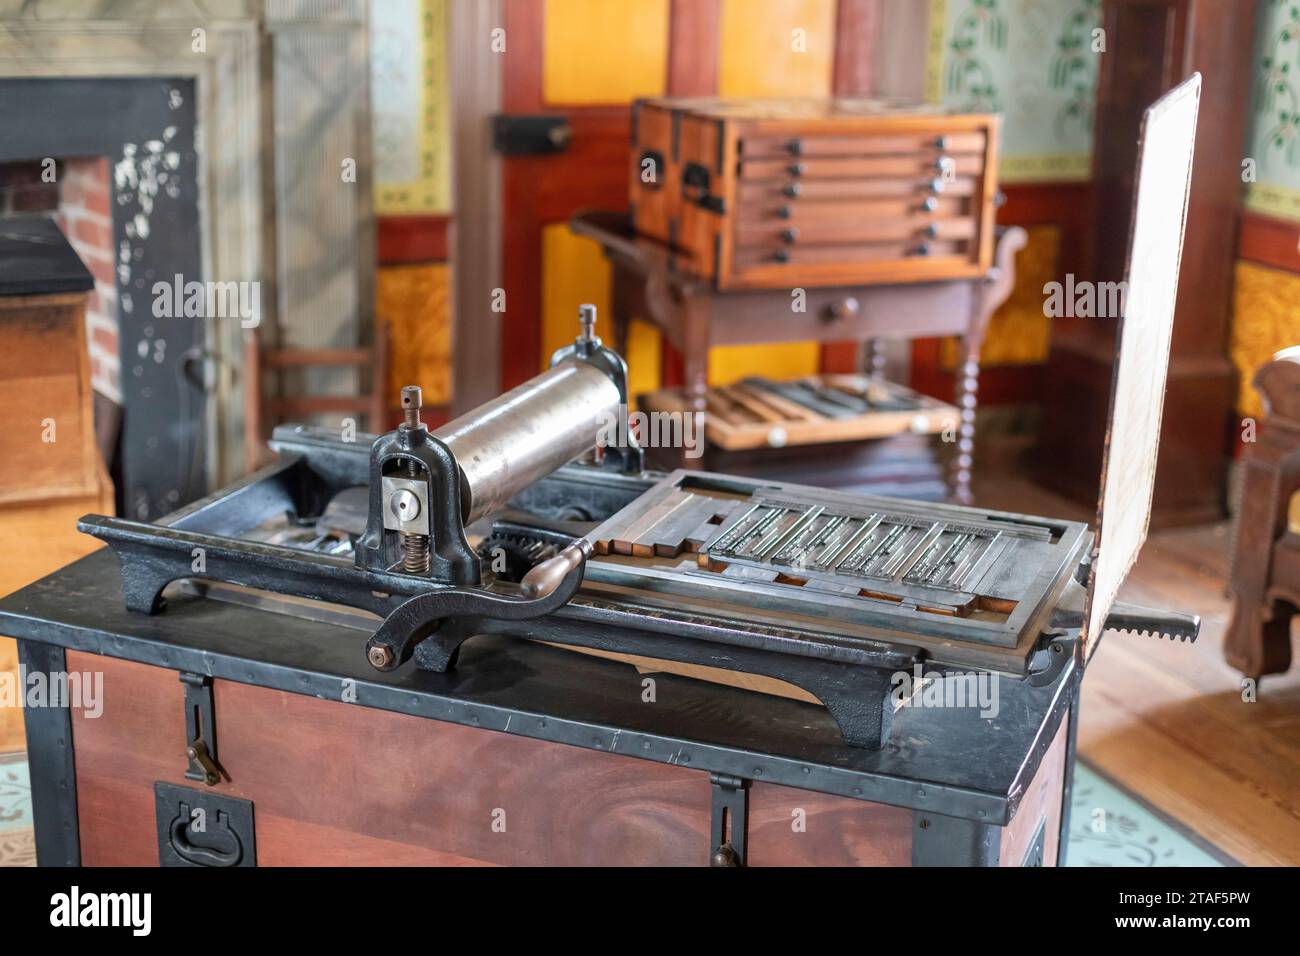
(730,820)
(201,730)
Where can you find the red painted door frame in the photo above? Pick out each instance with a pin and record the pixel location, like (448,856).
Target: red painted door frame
(592,172)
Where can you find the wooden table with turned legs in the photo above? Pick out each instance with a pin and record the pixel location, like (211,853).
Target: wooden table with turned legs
(695,317)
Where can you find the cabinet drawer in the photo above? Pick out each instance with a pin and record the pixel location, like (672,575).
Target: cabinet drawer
(856,168)
(778,147)
(851,231)
(800,213)
(779,192)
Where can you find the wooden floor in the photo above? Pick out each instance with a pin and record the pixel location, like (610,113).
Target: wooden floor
(1166,719)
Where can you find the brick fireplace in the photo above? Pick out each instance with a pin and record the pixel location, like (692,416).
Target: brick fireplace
(133,218)
(268,100)
(85,218)
(75,193)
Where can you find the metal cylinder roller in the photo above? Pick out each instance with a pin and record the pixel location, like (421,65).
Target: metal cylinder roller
(511,442)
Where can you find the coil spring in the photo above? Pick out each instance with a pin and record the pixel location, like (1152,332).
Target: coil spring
(415,553)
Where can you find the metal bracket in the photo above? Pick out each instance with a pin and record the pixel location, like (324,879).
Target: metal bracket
(1055,649)
(941,840)
(530,135)
(1037,848)
(730,820)
(628,459)
(201,730)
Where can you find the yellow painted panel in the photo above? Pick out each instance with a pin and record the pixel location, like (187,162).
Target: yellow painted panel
(574,271)
(776,47)
(644,352)
(773,48)
(1265,320)
(414,300)
(603,51)
(1019,333)
(731,363)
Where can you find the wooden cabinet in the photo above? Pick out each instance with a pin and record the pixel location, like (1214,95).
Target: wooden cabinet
(777,193)
(50,470)
(342,785)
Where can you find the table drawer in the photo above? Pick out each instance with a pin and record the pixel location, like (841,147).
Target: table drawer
(849,253)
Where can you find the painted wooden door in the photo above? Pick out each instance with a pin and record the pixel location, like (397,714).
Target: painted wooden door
(587,60)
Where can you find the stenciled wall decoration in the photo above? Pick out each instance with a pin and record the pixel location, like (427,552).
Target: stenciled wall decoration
(1273,136)
(409,104)
(1266,313)
(1034,62)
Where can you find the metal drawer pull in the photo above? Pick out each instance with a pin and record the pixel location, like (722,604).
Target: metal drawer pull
(843,309)
(932,230)
(943,163)
(930,204)
(941,142)
(936,185)
(792,190)
(922,250)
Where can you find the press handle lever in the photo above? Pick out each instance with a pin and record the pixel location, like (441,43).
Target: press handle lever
(554,582)
(550,574)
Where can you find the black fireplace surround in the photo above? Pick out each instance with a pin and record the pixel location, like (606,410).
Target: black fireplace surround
(146,127)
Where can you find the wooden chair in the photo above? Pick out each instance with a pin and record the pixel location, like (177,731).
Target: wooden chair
(1265,579)
(264,411)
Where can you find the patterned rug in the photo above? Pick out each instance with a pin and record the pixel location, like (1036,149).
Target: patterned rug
(1109,826)
(17,845)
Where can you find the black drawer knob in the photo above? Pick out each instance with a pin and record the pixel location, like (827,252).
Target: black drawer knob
(796,169)
(795,146)
(941,142)
(930,204)
(922,250)
(784,212)
(792,190)
(781,255)
(843,309)
(932,230)
(789,235)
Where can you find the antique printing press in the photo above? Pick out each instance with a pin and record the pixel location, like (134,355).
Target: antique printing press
(379,642)
(833,593)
